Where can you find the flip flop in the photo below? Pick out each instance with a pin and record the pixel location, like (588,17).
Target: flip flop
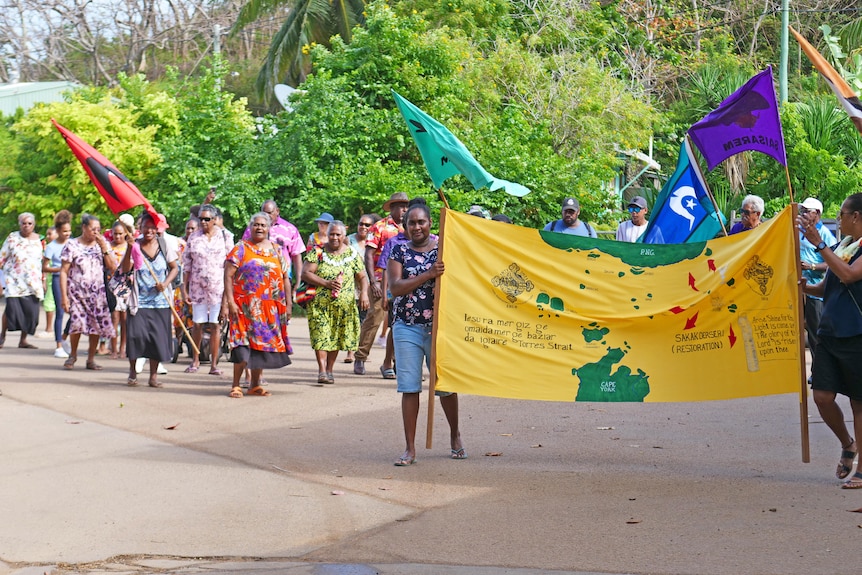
(387,372)
(27,346)
(855,482)
(94,366)
(132,382)
(192,369)
(259,391)
(459,454)
(235,392)
(404,461)
(216,371)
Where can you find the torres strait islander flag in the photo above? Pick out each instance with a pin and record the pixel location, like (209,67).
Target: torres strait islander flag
(746,120)
(683,211)
(119,193)
(528,314)
(849,100)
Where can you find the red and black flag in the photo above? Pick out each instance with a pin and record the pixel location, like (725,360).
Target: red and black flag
(119,193)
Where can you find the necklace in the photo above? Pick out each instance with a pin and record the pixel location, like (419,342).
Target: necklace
(341,262)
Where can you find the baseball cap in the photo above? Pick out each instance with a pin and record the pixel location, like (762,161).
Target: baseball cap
(812,204)
(570,204)
(638,201)
(127,220)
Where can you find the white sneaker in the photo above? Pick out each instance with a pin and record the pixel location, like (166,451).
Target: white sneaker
(161,370)
(44,335)
(66,346)
(61,353)
(139,364)
(381,342)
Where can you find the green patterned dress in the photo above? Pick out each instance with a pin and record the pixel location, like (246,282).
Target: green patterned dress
(333,323)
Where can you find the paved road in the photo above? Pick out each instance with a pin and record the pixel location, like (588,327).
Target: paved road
(98,477)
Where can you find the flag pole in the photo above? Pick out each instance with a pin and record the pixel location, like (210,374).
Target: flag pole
(693,160)
(803,381)
(445,203)
(432,379)
(790,189)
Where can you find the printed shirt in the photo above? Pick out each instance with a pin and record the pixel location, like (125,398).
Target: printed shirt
(21,262)
(398,239)
(808,255)
(148,296)
(378,235)
(203,265)
(416,307)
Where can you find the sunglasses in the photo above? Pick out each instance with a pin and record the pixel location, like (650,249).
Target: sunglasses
(366,224)
(748,212)
(635,209)
(205,219)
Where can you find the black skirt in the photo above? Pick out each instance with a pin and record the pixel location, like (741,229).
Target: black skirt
(148,334)
(22,313)
(259,359)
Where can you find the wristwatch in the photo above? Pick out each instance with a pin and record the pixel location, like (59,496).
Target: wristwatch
(820,247)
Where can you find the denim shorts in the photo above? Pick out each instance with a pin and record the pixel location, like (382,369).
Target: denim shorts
(412,346)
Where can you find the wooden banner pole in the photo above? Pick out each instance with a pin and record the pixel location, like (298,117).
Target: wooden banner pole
(432,381)
(803,380)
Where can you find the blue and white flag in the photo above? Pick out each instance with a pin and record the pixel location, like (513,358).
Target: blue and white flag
(683,211)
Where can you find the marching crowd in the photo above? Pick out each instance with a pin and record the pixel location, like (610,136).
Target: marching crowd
(138,288)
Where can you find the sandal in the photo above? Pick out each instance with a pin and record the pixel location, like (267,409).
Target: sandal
(329,377)
(845,464)
(387,372)
(94,366)
(155,383)
(855,482)
(132,382)
(259,391)
(192,369)
(321,378)
(235,392)
(216,371)
(70,363)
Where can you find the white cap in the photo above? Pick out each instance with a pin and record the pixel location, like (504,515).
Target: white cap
(812,204)
(127,220)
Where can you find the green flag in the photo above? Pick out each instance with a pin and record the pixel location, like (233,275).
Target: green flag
(445,155)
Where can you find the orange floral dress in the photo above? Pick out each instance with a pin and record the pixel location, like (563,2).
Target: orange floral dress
(259,293)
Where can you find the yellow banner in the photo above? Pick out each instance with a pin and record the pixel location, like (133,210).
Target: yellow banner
(527,314)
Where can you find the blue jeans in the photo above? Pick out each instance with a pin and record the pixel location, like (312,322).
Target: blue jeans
(412,345)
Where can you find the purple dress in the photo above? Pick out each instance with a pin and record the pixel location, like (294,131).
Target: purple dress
(88,304)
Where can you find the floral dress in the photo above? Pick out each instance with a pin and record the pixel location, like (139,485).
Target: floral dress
(259,292)
(333,322)
(21,261)
(119,251)
(88,304)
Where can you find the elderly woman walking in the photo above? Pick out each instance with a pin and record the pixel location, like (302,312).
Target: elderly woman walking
(256,287)
(82,285)
(21,262)
(333,320)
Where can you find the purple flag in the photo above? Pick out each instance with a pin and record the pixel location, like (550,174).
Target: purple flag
(746,120)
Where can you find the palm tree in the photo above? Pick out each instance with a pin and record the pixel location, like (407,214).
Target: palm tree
(308,21)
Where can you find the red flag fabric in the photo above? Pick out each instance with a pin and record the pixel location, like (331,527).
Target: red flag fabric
(119,193)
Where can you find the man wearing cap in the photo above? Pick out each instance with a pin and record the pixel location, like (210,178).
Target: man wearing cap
(813,268)
(285,235)
(630,230)
(378,235)
(318,238)
(570,224)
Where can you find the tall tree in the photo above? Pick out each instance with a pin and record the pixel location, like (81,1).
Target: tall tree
(307,22)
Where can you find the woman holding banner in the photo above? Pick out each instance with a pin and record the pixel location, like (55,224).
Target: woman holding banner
(836,366)
(412,273)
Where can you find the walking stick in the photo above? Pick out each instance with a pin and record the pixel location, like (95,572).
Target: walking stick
(171,305)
